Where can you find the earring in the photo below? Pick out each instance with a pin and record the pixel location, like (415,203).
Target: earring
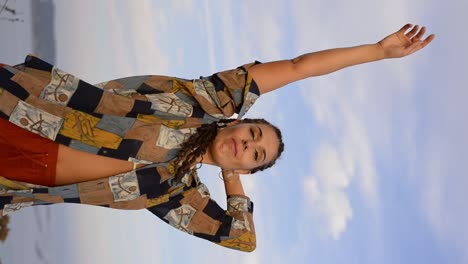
(201,164)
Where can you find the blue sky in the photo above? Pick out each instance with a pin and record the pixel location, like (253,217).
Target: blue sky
(375,160)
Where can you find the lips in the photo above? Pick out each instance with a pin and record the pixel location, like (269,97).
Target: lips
(234,147)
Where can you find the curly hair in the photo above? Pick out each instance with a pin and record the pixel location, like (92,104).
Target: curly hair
(199,142)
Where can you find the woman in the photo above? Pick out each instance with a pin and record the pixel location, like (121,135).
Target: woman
(134,143)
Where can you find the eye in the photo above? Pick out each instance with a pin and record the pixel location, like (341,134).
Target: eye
(256,155)
(252,133)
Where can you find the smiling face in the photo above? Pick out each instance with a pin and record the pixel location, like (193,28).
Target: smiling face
(243,146)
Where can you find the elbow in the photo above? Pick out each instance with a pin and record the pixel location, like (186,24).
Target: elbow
(251,247)
(302,70)
(246,242)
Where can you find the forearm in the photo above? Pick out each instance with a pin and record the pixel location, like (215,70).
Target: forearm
(327,61)
(273,75)
(232,183)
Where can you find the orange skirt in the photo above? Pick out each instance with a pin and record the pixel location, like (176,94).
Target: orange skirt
(25,156)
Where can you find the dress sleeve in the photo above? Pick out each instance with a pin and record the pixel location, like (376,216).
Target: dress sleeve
(220,95)
(121,191)
(194,212)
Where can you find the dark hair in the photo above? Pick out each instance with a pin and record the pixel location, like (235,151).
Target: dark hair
(198,143)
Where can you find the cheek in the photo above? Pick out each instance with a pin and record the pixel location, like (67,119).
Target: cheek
(221,152)
(248,161)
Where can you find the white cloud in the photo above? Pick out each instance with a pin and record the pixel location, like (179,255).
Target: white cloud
(147,25)
(325,190)
(443,195)
(346,104)
(111,50)
(358,156)
(439,166)
(208,25)
(344,158)
(248,36)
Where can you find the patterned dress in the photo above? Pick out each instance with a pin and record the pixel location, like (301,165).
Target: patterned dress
(143,119)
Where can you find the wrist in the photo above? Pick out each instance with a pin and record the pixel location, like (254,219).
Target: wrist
(230,176)
(380,51)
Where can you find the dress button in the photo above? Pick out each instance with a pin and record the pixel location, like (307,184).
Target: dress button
(45,165)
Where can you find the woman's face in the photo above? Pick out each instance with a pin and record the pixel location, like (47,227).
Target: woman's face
(243,146)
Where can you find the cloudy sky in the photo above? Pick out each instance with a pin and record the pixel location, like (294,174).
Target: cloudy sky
(375,161)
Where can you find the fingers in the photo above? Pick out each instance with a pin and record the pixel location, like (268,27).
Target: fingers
(412,32)
(428,40)
(415,35)
(418,44)
(404,28)
(421,33)
(410,39)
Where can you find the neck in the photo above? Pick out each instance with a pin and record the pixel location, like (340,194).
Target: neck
(206,159)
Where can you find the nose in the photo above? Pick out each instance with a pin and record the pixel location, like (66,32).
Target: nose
(246,144)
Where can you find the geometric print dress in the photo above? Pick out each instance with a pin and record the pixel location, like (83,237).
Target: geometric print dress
(143,119)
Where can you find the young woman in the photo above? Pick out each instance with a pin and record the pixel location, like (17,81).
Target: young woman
(134,143)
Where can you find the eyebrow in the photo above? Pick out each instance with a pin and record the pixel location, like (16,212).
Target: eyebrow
(261,135)
(260,130)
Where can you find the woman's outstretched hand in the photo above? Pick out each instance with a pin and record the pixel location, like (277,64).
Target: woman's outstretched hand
(403,43)
(273,75)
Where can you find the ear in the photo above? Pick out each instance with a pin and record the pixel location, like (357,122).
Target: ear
(242,171)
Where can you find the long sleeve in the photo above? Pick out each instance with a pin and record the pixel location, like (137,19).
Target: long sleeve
(219,95)
(129,191)
(186,208)
(194,212)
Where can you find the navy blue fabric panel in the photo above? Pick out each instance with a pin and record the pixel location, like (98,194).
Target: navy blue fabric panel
(198,112)
(163,209)
(208,237)
(225,227)
(62,140)
(217,82)
(214,210)
(148,181)
(3,115)
(41,190)
(72,200)
(5,200)
(141,107)
(12,86)
(165,185)
(127,148)
(98,115)
(86,98)
(146,89)
(36,63)
(251,207)
(254,88)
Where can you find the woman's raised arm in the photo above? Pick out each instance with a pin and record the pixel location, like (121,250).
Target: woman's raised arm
(273,75)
